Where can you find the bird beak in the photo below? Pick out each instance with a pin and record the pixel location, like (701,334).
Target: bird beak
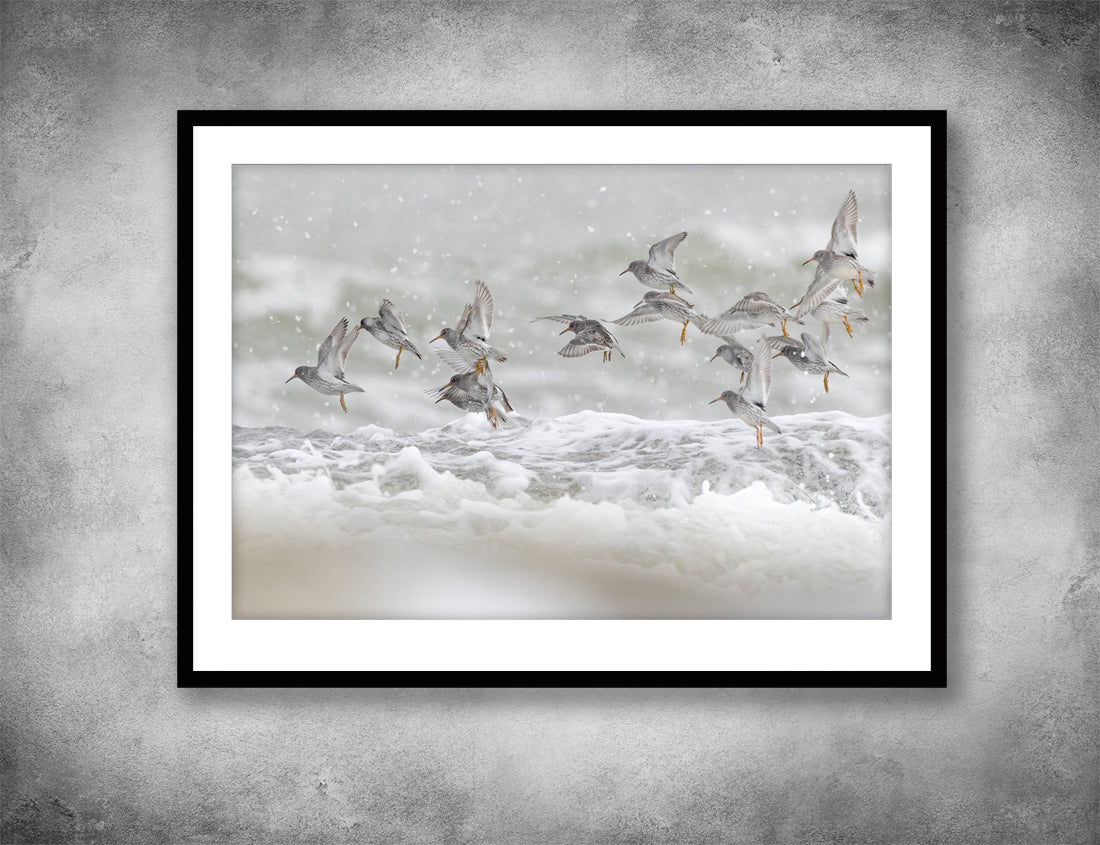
(807,261)
(289,380)
(434,339)
(563,331)
(712,401)
(627,270)
(712,357)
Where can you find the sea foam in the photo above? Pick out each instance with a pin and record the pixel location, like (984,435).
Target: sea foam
(590,515)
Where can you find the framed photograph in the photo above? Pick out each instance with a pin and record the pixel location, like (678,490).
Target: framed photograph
(560,399)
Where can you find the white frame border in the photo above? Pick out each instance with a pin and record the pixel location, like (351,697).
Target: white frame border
(901,643)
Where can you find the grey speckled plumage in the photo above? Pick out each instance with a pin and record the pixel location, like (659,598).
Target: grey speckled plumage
(835,309)
(591,335)
(328,376)
(471,392)
(389,327)
(807,355)
(838,262)
(749,404)
(470,337)
(751,311)
(658,271)
(662,305)
(736,354)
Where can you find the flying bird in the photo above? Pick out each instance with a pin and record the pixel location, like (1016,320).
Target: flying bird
(328,376)
(657,271)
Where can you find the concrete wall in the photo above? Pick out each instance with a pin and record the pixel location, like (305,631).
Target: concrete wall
(99,746)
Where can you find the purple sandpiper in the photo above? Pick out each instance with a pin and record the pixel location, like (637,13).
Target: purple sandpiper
(390,328)
(751,311)
(470,336)
(590,336)
(658,272)
(662,305)
(807,355)
(749,403)
(328,376)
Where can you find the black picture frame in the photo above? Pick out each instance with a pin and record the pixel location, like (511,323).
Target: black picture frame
(189,676)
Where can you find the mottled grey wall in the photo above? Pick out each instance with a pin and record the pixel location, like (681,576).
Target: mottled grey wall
(99,745)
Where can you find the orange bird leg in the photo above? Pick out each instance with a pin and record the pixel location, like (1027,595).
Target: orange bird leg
(398,361)
(342,405)
(683,334)
(847,326)
(826,382)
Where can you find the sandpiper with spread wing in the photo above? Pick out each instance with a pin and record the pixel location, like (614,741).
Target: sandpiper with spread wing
(589,335)
(328,376)
(808,354)
(662,305)
(837,263)
(470,337)
(389,327)
(749,403)
(471,391)
(658,271)
(751,311)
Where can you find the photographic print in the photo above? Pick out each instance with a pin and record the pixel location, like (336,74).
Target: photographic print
(561,392)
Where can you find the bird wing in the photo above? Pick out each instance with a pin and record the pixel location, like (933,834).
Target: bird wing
(813,349)
(778,343)
(455,392)
(392,317)
(562,318)
(579,346)
(460,326)
(334,339)
(726,325)
(818,291)
(480,319)
(342,350)
(644,313)
(752,310)
(843,239)
(756,304)
(758,384)
(757,300)
(452,359)
(661,253)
